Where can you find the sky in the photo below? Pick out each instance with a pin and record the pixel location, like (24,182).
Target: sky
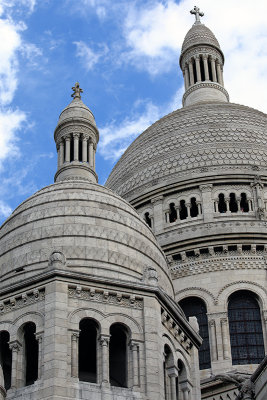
(125,55)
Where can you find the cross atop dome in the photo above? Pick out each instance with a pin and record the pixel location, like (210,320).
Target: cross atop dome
(196,11)
(77,91)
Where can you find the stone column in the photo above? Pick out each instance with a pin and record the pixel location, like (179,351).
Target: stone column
(85,138)
(74,354)
(198,68)
(207,202)
(157,203)
(213,70)
(186,77)
(39,338)
(191,73)
(15,347)
(227,201)
(225,338)
(206,68)
(213,339)
(238,200)
(61,152)
(91,153)
(216,205)
(188,206)
(76,146)
(67,148)
(199,208)
(173,374)
(134,347)
(104,342)
(219,72)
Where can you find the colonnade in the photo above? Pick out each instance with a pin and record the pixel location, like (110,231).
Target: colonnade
(84,153)
(211,66)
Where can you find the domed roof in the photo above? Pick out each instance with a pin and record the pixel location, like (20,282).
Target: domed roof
(188,144)
(98,233)
(199,34)
(76,110)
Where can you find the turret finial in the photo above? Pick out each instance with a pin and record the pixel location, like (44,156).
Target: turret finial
(77,91)
(196,11)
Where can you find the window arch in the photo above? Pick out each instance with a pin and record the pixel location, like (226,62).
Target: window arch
(5,358)
(88,350)
(148,219)
(30,353)
(195,307)
(193,207)
(222,204)
(168,363)
(183,213)
(245,328)
(173,213)
(233,203)
(118,355)
(244,206)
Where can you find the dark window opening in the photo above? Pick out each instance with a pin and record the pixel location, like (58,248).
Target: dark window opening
(71,149)
(218,249)
(118,356)
(202,71)
(210,70)
(87,351)
(148,219)
(222,204)
(244,203)
(177,257)
(246,247)
(233,203)
(193,208)
(80,151)
(173,213)
(232,248)
(168,362)
(31,353)
(183,210)
(5,358)
(260,247)
(245,328)
(204,251)
(194,70)
(193,306)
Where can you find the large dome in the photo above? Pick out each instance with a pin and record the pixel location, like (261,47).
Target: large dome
(199,34)
(98,233)
(195,142)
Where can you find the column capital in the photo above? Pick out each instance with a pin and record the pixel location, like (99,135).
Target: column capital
(39,336)
(172,371)
(205,56)
(104,340)
(206,188)
(15,345)
(85,136)
(76,135)
(157,199)
(67,137)
(134,345)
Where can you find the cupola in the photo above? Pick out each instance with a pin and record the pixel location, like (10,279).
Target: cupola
(202,63)
(76,137)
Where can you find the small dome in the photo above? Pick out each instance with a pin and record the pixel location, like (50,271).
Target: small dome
(95,231)
(199,34)
(76,110)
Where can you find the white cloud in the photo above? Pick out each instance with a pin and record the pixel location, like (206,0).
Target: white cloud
(5,210)
(116,137)
(88,56)
(10,122)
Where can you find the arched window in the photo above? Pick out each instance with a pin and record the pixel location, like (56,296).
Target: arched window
(118,356)
(148,219)
(202,71)
(222,204)
(233,203)
(168,364)
(244,203)
(183,210)
(173,213)
(88,350)
(193,208)
(5,358)
(30,353)
(195,307)
(245,327)
(194,70)
(71,149)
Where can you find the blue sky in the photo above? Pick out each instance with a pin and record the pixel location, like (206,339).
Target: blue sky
(125,56)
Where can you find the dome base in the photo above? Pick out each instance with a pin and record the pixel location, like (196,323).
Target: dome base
(205,92)
(76,170)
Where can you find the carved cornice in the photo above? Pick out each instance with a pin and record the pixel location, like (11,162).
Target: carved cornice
(22,300)
(175,330)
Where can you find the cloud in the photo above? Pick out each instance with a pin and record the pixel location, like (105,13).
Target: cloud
(116,137)
(83,7)
(5,210)
(10,122)
(88,56)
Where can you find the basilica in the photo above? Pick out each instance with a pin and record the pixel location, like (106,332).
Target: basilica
(152,287)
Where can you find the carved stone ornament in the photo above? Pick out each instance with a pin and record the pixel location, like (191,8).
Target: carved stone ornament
(151,276)
(57,258)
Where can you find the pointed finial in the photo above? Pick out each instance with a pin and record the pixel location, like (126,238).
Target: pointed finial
(198,14)
(77,91)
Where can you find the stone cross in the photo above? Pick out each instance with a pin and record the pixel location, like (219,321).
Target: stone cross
(197,13)
(77,91)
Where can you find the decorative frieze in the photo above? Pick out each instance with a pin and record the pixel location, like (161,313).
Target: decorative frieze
(175,330)
(104,296)
(22,300)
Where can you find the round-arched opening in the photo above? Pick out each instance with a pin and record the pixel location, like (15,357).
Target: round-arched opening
(5,358)
(245,326)
(172,213)
(233,203)
(222,204)
(88,350)
(195,307)
(30,353)
(118,355)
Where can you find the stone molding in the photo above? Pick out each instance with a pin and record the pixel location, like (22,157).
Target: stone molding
(201,50)
(107,297)
(175,330)
(205,84)
(22,300)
